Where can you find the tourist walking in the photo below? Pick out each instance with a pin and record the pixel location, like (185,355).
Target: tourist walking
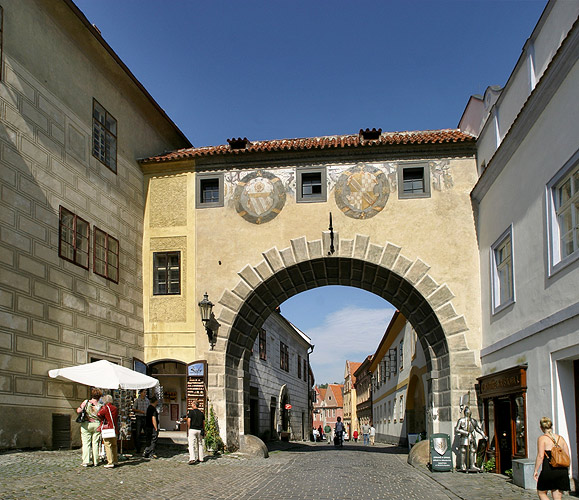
(195,428)
(140,406)
(109,417)
(551,478)
(339,430)
(372,434)
(328,431)
(355,436)
(366,433)
(151,428)
(89,428)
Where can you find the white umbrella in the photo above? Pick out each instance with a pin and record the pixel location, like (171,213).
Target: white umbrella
(105,375)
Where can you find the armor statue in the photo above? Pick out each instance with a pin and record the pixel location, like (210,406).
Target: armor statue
(466,428)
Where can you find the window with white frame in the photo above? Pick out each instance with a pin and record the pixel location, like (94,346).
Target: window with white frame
(563,215)
(402,408)
(389,411)
(502,276)
(401,351)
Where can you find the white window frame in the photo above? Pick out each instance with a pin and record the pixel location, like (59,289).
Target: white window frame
(556,262)
(496,304)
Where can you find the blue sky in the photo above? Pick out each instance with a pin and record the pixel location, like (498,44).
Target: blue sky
(273,69)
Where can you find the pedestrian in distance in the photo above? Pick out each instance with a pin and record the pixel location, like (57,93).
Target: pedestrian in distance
(339,430)
(366,433)
(328,432)
(195,432)
(551,478)
(151,428)
(355,436)
(316,435)
(140,406)
(372,434)
(321,433)
(89,428)
(109,417)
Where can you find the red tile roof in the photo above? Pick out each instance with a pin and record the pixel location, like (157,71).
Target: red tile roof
(317,143)
(337,392)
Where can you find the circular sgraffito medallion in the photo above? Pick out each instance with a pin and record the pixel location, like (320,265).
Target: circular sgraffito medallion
(362,191)
(259,197)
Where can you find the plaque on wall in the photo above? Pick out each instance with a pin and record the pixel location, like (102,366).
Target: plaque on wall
(197,384)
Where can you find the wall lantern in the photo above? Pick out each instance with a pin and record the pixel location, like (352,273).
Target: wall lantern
(206,306)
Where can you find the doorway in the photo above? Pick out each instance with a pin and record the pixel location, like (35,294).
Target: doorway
(504,434)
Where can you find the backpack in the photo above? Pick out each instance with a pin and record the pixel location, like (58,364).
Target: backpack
(558,456)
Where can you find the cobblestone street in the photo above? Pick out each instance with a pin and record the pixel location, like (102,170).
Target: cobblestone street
(294,471)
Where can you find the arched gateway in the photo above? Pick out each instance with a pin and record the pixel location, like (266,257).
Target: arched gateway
(246,224)
(382,270)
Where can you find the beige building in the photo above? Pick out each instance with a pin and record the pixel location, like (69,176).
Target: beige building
(350,418)
(73,120)
(363,387)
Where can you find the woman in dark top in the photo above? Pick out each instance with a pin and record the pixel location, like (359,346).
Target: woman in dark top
(555,479)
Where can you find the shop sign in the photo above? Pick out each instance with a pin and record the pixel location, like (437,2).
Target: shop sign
(288,407)
(505,382)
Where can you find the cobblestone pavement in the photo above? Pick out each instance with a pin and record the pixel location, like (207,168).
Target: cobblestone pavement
(293,471)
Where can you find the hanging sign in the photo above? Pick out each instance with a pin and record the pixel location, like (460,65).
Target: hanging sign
(197,384)
(288,407)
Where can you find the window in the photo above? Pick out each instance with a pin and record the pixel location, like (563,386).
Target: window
(299,366)
(563,215)
(209,190)
(166,273)
(401,408)
(393,361)
(401,351)
(305,370)
(413,180)
(502,288)
(105,255)
(311,185)
(73,238)
(104,136)
(283,357)
(262,344)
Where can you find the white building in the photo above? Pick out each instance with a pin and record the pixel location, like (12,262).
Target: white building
(399,384)
(527,201)
(279,381)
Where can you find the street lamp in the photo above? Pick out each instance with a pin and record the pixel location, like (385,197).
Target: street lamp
(206,306)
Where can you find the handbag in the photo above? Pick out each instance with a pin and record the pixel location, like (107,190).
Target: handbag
(558,456)
(109,433)
(82,415)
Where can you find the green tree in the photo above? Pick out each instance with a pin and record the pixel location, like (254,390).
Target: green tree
(213,440)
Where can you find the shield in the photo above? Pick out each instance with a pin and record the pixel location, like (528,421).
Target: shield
(440,445)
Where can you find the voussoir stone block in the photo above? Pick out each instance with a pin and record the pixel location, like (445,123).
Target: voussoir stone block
(250,276)
(230,300)
(273,258)
(401,265)
(264,270)
(416,271)
(440,296)
(374,253)
(242,289)
(390,255)
(360,246)
(315,249)
(300,249)
(287,256)
(346,248)
(426,285)
(326,240)
(455,325)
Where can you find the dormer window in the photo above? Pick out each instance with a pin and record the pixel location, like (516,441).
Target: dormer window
(238,143)
(370,135)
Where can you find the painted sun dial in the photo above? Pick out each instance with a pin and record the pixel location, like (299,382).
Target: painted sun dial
(362,191)
(259,197)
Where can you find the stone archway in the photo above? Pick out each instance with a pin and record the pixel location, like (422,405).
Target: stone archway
(381,269)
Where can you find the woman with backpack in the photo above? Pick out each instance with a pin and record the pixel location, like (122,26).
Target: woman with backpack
(552,453)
